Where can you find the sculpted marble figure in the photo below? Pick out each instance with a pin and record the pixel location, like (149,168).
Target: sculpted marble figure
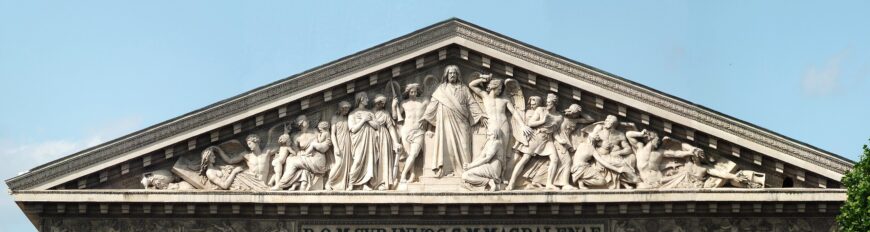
(486,170)
(281,154)
(566,140)
(614,161)
(363,172)
(388,145)
(231,177)
(164,180)
(496,108)
(341,149)
(409,112)
(452,110)
(545,124)
(310,158)
(649,153)
(688,168)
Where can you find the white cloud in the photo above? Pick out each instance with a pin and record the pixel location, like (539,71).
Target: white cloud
(19,157)
(824,80)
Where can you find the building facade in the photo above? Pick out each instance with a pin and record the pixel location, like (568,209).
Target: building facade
(451,128)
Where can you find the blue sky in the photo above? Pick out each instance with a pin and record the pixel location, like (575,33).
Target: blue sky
(77,73)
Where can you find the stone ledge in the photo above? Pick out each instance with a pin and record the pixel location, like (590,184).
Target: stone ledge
(513,197)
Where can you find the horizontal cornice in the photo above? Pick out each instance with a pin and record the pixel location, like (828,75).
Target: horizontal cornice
(404,45)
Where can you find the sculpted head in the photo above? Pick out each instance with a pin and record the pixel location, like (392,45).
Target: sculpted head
(361,99)
(451,74)
(534,102)
(412,91)
(698,155)
(284,140)
(551,101)
(253,141)
(610,122)
(343,108)
(206,159)
(323,126)
(496,85)
(573,110)
(652,137)
(302,122)
(380,101)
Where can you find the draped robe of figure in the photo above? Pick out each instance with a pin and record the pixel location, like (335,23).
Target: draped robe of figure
(341,141)
(492,170)
(363,170)
(308,164)
(452,110)
(542,145)
(384,156)
(241,182)
(609,170)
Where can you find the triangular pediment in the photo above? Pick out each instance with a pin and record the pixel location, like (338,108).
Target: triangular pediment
(422,57)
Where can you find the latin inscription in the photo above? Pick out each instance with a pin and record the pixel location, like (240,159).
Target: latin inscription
(455,228)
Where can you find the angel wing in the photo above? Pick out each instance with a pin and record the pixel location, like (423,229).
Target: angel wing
(274,132)
(430,82)
(187,167)
(231,148)
(514,92)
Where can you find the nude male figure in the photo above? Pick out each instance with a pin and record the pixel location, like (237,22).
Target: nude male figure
(409,112)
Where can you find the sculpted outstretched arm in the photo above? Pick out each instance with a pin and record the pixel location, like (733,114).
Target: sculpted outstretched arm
(634,137)
(585,118)
(514,114)
(228,159)
(676,154)
(431,112)
(488,154)
(518,118)
(625,150)
(475,87)
(721,174)
(225,183)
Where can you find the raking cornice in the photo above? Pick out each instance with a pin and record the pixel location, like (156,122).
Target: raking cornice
(406,44)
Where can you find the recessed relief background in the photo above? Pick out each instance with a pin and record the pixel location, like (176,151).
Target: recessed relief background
(450,128)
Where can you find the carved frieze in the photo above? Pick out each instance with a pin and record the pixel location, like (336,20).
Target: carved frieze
(478,121)
(482,135)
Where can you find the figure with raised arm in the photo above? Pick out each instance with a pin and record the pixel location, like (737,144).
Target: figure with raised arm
(545,125)
(496,108)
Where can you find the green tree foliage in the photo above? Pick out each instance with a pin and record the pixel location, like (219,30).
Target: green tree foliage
(855,213)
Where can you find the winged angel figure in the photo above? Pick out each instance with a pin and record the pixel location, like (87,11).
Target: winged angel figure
(221,167)
(497,98)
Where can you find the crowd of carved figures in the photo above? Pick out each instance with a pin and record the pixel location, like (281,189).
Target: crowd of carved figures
(375,143)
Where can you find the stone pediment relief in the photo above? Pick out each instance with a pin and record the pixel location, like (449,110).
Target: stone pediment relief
(451,126)
(452,107)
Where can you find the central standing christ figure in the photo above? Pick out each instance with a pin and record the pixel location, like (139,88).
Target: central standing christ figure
(452,110)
